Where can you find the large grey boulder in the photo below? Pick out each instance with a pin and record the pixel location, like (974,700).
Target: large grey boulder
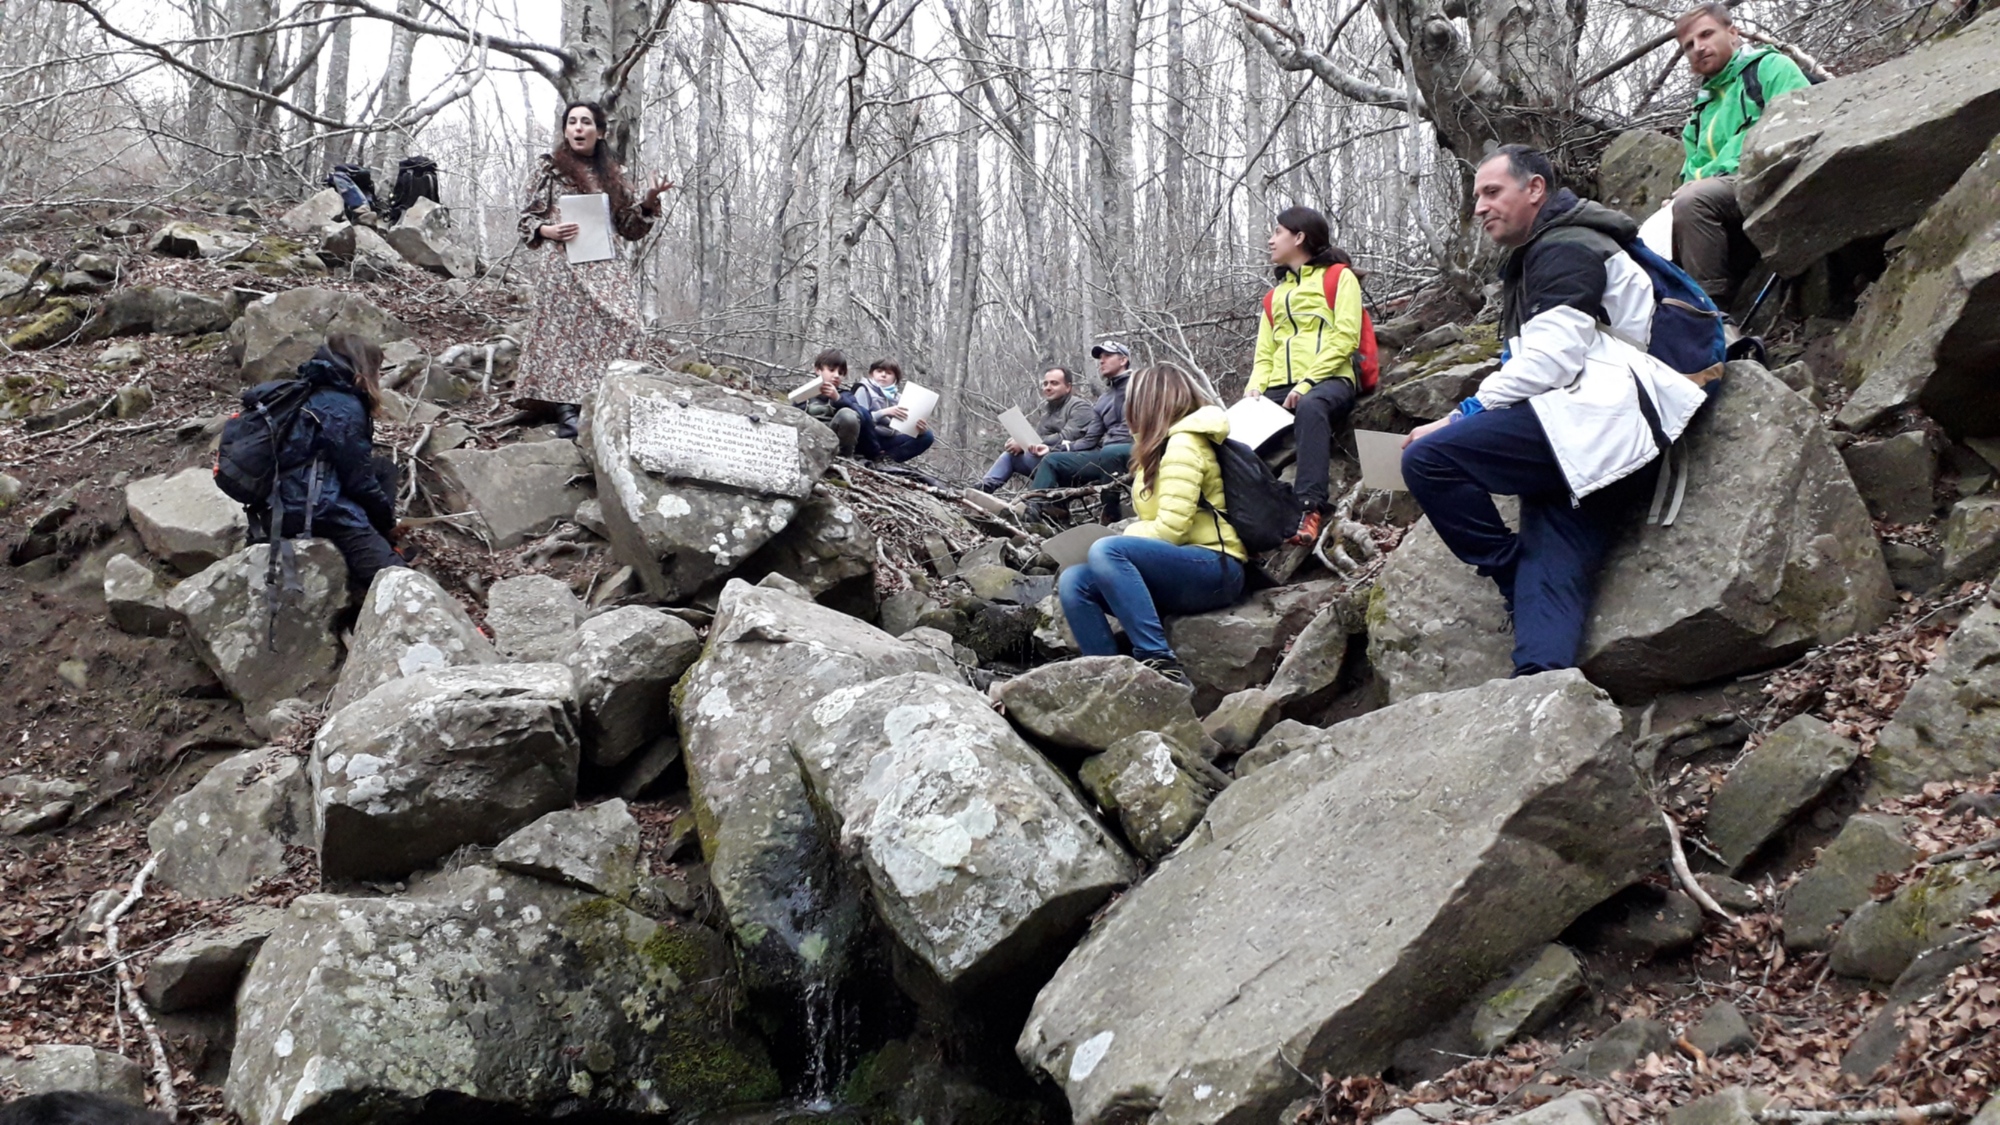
(53,1067)
(769,658)
(408,624)
(1880,939)
(192,240)
(133,595)
(1896,476)
(979,855)
(278,332)
(424,238)
(156,310)
(693,478)
(1342,900)
(1945,729)
(519,490)
(1639,171)
(626,663)
(200,968)
(1972,539)
(184,520)
(227,611)
(537,998)
(1148,781)
(428,763)
(1869,846)
(1767,787)
(1923,332)
(230,831)
(1093,701)
(1230,649)
(826,547)
(315,211)
(1861,156)
(596,849)
(366,255)
(1772,554)
(533,617)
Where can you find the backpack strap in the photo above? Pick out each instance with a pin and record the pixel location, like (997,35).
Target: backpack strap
(1753,83)
(1268,293)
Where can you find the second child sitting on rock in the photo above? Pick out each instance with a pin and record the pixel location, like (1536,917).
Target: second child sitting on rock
(879,397)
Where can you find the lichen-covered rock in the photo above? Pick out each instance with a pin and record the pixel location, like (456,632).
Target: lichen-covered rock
(1306,677)
(769,658)
(184,520)
(408,624)
(133,595)
(1880,939)
(533,617)
(315,211)
(1529,1000)
(230,831)
(258,659)
(825,548)
(1639,171)
(200,969)
(428,763)
(1861,156)
(517,993)
(278,332)
(1869,846)
(1773,553)
(595,848)
(75,1066)
(519,490)
(1145,780)
(1896,476)
(680,515)
(1490,817)
(423,236)
(192,240)
(1093,701)
(1242,718)
(1235,648)
(1789,770)
(626,663)
(980,857)
(1972,539)
(1945,730)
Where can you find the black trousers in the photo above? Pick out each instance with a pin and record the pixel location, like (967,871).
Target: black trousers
(1322,413)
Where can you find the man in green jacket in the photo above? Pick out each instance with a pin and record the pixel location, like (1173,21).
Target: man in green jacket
(1737,83)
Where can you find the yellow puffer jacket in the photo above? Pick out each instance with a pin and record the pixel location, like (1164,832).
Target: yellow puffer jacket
(1190,472)
(1303,341)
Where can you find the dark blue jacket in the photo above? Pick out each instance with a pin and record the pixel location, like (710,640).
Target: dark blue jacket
(334,427)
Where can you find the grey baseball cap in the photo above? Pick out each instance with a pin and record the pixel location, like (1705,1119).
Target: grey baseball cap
(1110,347)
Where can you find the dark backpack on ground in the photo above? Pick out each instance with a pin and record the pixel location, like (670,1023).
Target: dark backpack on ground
(1263,509)
(247,471)
(356,185)
(416,178)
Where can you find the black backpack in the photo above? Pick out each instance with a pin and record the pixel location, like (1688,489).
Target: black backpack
(416,178)
(1263,509)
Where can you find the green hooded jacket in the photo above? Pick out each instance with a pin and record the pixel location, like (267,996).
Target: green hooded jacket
(1724,110)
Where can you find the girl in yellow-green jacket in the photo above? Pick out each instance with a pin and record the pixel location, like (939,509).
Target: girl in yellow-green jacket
(1305,351)
(1182,556)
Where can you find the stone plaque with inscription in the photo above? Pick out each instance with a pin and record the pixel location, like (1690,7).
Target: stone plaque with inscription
(695,443)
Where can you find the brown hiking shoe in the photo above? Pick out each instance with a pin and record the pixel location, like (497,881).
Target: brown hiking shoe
(1308,532)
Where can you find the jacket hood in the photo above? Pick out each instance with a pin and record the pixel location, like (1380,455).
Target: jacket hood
(1211,422)
(325,369)
(1564,209)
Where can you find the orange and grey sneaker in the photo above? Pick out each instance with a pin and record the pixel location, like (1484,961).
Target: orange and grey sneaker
(1308,532)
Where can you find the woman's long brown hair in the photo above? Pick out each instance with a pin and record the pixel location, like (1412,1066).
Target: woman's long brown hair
(602,162)
(1158,397)
(365,357)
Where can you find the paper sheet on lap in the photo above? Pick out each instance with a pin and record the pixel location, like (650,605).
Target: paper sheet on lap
(1073,546)
(919,401)
(1254,421)
(1658,232)
(592,216)
(805,390)
(1381,459)
(1018,428)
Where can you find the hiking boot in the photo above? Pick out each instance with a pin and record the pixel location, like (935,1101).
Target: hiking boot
(988,487)
(566,416)
(1169,667)
(1308,532)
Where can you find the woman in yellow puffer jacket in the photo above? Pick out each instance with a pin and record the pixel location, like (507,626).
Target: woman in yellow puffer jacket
(1305,351)
(1182,556)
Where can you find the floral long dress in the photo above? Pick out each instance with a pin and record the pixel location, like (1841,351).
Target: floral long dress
(584,315)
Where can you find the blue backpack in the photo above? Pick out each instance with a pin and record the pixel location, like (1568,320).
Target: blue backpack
(1688,331)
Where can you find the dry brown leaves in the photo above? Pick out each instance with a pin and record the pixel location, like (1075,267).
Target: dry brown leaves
(1857,684)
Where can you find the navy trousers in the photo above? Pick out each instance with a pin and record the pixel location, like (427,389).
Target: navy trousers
(1321,413)
(1548,570)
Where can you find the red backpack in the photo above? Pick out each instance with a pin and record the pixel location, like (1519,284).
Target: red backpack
(1367,365)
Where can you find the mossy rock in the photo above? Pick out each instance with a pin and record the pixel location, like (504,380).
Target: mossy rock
(55,326)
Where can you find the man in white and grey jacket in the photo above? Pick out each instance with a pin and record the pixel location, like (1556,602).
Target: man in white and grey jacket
(1576,410)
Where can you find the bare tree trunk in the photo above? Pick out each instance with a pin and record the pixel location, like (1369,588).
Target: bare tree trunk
(965,221)
(339,54)
(306,97)
(390,146)
(708,163)
(201,96)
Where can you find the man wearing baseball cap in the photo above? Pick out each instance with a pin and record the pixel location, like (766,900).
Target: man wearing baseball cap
(1105,448)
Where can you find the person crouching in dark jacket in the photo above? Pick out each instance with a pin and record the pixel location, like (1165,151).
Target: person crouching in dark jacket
(330,481)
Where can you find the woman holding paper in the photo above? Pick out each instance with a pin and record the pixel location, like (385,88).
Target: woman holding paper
(586,312)
(1181,556)
(1306,342)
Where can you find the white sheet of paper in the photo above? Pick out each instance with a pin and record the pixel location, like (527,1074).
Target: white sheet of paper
(1658,232)
(919,401)
(1018,428)
(592,215)
(805,390)
(1073,546)
(1256,420)
(1381,459)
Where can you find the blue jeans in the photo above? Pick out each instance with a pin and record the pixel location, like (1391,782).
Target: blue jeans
(1010,465)
(1547,571)
(1136,580)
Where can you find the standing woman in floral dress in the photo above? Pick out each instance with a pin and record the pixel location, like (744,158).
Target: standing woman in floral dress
(585,315)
